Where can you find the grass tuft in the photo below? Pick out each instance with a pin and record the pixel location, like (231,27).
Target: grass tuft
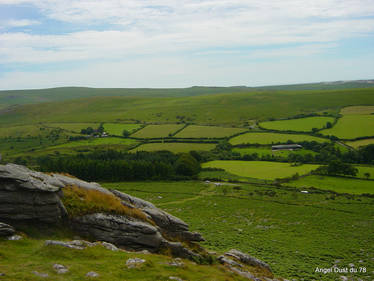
(80,201)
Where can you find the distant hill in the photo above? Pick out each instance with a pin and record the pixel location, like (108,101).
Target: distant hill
(225,109)
(20,97)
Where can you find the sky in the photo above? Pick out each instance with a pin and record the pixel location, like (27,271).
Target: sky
(183,43)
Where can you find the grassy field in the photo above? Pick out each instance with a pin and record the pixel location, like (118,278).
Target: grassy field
(175,147)
(357,110)
(260,169)
(365,169)
(116,129)
(269,138)
(22,131)
(20,258)
(214,109)
(299,125)
(352,126)
(264,151)
(96,142)
(73,127)
(359,143)
(292,231)
(337,184)
(157,131)
(194,131)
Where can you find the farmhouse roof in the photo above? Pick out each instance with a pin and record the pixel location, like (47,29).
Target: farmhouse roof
(286,146)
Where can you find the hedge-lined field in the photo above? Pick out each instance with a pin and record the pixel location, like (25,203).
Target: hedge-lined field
(260,169)
(265,151)
(175,147)
(194,131)
(359,143)
(352,126)
(116,129)
(299,125)
(337,184)
(95,141)
(357,110)
(157,131)
(73,127)
(269,138)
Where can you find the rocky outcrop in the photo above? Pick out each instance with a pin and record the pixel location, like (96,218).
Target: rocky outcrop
(36,197)
(246,265)
(29,195)
(6,230)
(120,230)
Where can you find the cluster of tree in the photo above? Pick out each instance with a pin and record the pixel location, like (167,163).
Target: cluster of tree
(120,166)
(92,131)
(337,167)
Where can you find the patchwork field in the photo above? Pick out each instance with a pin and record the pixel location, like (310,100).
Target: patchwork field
(337,184)
(299,125)
(260,169)
(352,126)
(157,131)
(272,224)
(265,151)
(357,110)
(96,142)
(116,129)
(358,143)
(73,127)
(269,138)
(175,147)
(362,170)
(194,131)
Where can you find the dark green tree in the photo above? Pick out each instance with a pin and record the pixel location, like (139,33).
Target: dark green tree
(187,165)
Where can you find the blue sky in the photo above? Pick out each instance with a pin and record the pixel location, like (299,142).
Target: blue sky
(170,43)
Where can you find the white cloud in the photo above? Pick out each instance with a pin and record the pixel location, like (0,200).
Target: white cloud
(17,23)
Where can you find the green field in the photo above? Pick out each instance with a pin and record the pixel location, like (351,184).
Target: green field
(234,108)
(357,110)
(352,126)
(365,169)
(337,184)
(260,169)
(269,138)
(22,131)
(175,147)
(95,142)
(265,151)
(194,131)
(358,143)
(73,127)
(299,125)
(292,231)
(157,131)
(116,129)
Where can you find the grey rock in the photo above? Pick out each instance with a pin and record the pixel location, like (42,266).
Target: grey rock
(6,229)
(109,246)
(247,259)
(15,237)
(177,262)
(119,230)
(40,274)
(135,262)
(60,269)
(92,274)
(2,274)
(343,278)
(225,260)
(62,244)
(175,278)
(69,181)
(29,195)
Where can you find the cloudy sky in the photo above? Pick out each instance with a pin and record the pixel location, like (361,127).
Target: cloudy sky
(181,43)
